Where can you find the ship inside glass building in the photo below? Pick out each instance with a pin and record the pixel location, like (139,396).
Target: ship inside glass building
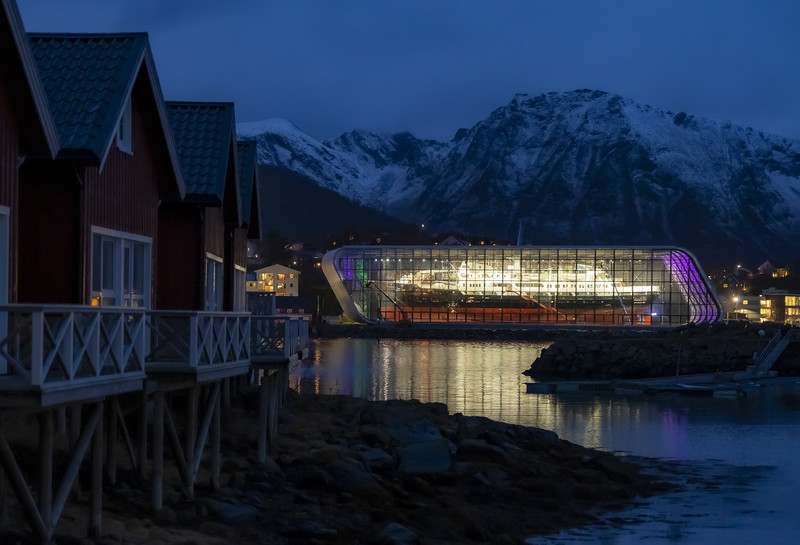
(521,284)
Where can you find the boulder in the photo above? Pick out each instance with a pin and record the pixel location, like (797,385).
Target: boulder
(428,456)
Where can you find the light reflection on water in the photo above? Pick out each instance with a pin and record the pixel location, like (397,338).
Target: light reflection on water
(473,377)
(753,442)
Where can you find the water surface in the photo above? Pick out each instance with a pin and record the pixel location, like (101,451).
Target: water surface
(736,457)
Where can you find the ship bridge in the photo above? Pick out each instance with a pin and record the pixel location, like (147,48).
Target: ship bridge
(629,285)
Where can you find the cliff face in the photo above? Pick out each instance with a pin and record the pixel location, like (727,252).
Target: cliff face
(583,167)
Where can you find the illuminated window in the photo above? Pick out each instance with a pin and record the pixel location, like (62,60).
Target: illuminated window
(121,269)
(281,276)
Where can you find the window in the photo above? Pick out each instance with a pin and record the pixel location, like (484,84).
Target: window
(239,295)
(213,282)
(125,130)
(281,276)
(120,269)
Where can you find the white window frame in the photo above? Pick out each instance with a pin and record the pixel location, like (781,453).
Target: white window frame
(239,290)
(214,282)
(125,129)
(123,296)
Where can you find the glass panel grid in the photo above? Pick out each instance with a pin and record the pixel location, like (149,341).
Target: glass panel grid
(607,286)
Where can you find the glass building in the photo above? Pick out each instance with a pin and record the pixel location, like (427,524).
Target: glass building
(521,284)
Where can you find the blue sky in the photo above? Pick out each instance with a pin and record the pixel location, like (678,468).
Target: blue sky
(434,66)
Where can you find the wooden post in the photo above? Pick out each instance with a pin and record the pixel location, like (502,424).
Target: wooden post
(263,415)
(96,514)
(75,422)
(46,467)
(158,450)
(187,478)
(113,414)
(21,490)
(216,443)
(192,402)
(143,432)
(76,457)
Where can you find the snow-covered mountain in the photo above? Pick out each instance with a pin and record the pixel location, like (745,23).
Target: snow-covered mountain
(583,167)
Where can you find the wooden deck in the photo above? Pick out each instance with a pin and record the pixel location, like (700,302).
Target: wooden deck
(172,370)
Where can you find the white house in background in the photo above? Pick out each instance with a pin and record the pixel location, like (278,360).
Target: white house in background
(275,279)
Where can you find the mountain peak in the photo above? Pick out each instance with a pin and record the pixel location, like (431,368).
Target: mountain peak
(275,125)
(577,167)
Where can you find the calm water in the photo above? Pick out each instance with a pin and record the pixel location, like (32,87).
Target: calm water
(738,458)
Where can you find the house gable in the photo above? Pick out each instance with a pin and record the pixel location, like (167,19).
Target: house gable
(26,94)
(89,81)
(204,134)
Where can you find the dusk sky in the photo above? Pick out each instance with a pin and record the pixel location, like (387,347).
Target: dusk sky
(433,66)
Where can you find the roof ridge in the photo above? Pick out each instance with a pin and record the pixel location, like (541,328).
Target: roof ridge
(199,103)
(86,34)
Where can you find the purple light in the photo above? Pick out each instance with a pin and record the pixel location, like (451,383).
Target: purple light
(702,307)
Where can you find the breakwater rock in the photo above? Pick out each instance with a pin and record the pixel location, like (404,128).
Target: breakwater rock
(636,354)
(346,470)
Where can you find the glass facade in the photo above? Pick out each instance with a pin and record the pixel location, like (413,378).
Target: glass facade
(521,284)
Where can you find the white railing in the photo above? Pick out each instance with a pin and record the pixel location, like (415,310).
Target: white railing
(767,357)
(198,339)
(64,345)
(284,335)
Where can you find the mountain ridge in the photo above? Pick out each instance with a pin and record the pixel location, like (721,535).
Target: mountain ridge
(581,167)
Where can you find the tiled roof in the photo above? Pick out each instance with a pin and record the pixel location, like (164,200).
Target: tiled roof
(87,78)
(203,131)
(246,151)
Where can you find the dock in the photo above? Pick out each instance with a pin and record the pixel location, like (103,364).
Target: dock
(723,385)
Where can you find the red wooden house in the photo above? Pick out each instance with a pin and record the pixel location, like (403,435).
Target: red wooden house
(27,133)
(198,248)
(88,219)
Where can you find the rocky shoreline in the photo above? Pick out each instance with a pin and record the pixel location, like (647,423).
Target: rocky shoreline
(348,470)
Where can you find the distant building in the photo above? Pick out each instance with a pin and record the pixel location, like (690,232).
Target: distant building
(774,269)
(749,308)
(780,306)
(275,279)
(523,284)
(452,241)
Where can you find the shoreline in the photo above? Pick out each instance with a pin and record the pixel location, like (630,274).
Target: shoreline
(348,470)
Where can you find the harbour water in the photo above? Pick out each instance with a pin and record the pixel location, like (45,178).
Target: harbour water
(736,459)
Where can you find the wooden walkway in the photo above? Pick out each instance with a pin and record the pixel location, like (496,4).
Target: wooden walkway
(88,380)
